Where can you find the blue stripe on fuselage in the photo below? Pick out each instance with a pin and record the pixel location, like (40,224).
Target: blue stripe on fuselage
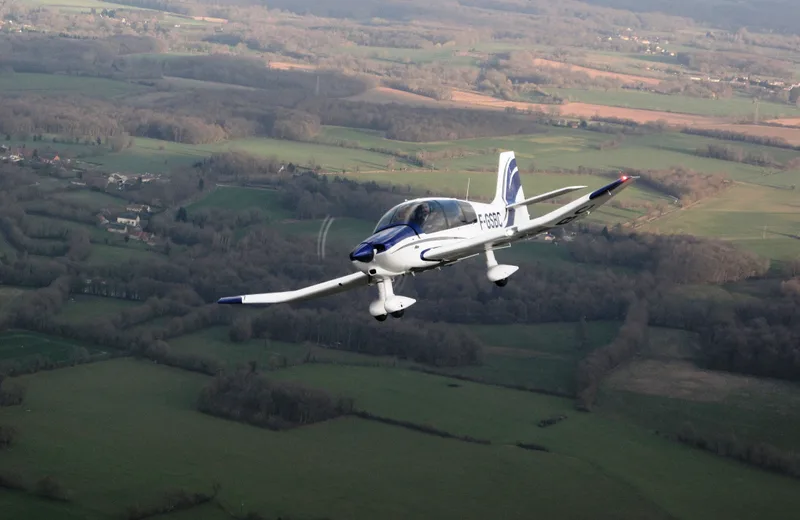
(386,238)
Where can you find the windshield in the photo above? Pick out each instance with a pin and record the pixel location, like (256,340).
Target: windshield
(428,216)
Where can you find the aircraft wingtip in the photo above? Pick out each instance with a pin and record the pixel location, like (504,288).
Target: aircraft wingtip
(230,300)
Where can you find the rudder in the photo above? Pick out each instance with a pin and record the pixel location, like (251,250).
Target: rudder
(509,189)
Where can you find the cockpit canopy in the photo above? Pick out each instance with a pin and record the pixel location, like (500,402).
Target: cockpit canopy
(429,216)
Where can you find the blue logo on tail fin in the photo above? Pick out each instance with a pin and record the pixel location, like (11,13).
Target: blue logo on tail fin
(512,186)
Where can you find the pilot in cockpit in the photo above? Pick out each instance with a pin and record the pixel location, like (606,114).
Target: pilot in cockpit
(420,215)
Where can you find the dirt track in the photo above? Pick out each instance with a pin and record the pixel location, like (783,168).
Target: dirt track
(285,65)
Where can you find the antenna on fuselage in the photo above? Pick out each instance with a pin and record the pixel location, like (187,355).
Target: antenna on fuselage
(467,196)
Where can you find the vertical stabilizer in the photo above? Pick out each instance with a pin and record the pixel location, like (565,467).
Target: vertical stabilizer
(509,189)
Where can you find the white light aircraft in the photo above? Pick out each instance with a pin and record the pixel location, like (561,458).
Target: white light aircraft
(429,233)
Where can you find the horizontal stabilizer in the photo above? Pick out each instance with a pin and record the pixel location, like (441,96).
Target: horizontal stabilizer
(545,196)
(344,283)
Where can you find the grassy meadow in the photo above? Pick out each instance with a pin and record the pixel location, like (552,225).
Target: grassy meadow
(20,345)
(215,343)
(684,483)
(759,218)
(35,83)
(540,356)
(235,198)
(152,155)
(663,389)
(82,308)
(111,410)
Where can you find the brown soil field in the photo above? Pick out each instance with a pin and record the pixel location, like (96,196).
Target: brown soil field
(390,95)
(596,73)
(209,19)
(789,121)
(465,99)
(285,65)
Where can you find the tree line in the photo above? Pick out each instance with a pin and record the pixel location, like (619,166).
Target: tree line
(682,259)
(735,154)
(246,395)
(729,135)
(630,339)
(758,454)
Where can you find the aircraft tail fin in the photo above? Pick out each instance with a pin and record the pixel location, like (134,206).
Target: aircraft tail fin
(509,190)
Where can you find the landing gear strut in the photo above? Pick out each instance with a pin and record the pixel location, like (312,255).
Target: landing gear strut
(498,273)
(388,302)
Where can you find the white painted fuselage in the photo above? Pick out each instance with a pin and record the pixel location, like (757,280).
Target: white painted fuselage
(407,255)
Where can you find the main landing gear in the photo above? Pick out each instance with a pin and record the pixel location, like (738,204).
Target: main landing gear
(388,302)
(498,273)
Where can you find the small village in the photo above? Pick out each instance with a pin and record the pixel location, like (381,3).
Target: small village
(129,223)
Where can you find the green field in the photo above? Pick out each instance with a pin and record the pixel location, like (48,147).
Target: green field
(663,389)
(535,356)
(682,482)
(82,308)
(566,148)
(139,419)
(151,155)
(84,6)
(736,107)
(105,254)
(214,342)
(34,83)
(242,199)
(761,219)
(18,345)
(93,199)
(343,230)
(20,505)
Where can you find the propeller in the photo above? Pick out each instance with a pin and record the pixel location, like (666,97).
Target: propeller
(322,246)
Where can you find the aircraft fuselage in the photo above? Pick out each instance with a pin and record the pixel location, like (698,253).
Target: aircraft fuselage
(399,248)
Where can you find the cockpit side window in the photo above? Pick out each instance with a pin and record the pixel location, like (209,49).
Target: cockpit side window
(468,211)
(455,217)
(435,220)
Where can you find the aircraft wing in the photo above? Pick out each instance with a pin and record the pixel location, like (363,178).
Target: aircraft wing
(562,216)
(341,284)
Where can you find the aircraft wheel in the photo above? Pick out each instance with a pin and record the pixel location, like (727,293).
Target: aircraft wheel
(382,317)
(501,283)
(398,314)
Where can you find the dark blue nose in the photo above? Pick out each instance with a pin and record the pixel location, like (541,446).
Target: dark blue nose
(362,253)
